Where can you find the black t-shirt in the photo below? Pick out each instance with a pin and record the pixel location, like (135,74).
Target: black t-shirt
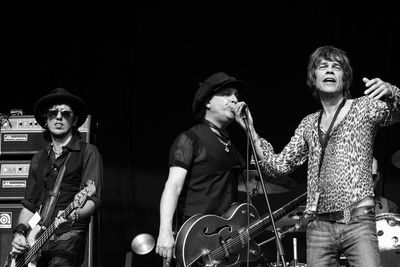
(212,172)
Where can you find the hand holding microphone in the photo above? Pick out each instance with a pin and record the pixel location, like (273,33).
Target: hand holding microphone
(242,112)
(243,117)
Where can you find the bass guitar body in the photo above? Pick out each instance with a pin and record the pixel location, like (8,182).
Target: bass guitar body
(211,240)
(11,262)
(37,237)
(17,260)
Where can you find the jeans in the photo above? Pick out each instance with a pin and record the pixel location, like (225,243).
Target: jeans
(66,250)
(357,240)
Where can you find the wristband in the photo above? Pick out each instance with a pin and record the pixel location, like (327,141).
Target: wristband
(21,229)
(74,216)
(257,139)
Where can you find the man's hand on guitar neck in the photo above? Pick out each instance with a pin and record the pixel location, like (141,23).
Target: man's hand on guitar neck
(59,220)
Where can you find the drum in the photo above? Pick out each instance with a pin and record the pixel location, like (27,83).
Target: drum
(388,231)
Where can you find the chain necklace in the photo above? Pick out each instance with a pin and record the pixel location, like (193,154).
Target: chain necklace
(220,135)
(57,153)
(226,144)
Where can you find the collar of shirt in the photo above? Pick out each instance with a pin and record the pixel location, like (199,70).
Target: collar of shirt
(73,144)
(221,133)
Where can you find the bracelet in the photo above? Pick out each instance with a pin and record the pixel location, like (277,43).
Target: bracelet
(391,89)
(21,229)
(74,216)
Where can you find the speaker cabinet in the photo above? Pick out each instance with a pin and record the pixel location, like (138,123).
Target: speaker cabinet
(9,213)
(13,175)
(22,135)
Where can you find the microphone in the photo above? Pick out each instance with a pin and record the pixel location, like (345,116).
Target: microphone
(244,111)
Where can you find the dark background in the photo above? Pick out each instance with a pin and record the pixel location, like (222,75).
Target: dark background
(138,67)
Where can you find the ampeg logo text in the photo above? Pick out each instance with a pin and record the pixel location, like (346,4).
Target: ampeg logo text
(13,184)
(5,220)
(15,137)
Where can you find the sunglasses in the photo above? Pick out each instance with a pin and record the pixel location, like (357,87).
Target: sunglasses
(52,113)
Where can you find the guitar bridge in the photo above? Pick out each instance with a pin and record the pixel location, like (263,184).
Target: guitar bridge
(207,260)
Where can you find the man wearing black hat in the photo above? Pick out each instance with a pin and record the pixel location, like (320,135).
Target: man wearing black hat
(76,162)
(203,163)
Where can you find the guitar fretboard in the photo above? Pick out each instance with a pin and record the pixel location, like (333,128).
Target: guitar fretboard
(256,228)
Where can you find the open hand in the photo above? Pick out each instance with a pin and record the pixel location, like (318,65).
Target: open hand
(376,88)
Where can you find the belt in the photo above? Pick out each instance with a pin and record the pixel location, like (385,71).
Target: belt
(346,215)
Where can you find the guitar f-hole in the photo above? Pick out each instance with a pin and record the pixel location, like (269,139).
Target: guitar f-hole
(217,230)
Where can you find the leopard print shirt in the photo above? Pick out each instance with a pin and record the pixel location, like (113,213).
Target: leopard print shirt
(345,175)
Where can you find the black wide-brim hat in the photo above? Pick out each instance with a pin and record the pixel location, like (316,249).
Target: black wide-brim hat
(60,96)
(211,85)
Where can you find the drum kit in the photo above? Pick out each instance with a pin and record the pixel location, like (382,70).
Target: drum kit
(388,231)
(387,224)
(276,185)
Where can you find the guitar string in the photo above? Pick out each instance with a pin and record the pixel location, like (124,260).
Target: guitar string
(25,259)
(220,252)
(45,235)
(236,240)
(253,229)
(43,238)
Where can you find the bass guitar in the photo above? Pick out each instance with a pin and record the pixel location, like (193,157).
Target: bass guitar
(211,240)
(37,237)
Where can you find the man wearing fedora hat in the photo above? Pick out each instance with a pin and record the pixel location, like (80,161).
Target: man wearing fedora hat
(203,163)
(60,113)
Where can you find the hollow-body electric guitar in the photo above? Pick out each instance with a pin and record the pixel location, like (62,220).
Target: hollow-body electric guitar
(211,240)
(37,237)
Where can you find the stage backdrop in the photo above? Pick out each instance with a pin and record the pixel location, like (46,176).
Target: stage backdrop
(138,69)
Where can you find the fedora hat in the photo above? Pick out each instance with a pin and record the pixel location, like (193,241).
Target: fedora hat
(211,85)
(60,96)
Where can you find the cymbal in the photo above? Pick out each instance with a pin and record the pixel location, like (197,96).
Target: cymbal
(143,244)
(396,159)
(274,185)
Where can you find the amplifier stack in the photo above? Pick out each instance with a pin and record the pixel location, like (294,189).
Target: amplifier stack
(21,137)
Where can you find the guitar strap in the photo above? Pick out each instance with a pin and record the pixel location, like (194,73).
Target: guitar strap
(48,209)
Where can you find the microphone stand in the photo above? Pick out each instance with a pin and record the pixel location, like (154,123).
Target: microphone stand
(277,237)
